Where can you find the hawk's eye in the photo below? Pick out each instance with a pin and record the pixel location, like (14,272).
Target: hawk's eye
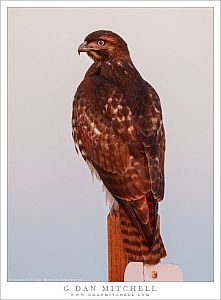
(100,43)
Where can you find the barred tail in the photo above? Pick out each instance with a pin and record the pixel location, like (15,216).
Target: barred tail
(141,236)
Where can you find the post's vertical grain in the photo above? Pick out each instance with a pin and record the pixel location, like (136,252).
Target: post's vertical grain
(117,261)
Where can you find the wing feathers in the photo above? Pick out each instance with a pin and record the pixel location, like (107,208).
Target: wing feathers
(122,135)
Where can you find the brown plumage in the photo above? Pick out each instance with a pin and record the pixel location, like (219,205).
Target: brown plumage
(118,128)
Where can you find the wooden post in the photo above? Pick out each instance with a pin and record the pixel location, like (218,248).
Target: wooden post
(117,261)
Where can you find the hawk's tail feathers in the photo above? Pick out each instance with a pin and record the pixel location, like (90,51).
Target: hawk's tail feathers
(135,234)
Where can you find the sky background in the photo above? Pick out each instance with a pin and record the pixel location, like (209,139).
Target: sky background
(56,213)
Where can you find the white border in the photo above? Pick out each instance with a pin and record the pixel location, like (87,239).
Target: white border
(55,290)
(217,144)
(174,3)
(3,143)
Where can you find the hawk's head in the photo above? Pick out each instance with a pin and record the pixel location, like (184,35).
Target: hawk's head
(104,45)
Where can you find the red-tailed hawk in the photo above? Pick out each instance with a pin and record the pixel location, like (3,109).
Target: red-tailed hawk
(117,125)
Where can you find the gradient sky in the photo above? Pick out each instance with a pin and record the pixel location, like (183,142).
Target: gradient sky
(56,213)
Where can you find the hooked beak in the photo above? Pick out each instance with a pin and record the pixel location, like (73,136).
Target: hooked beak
(83,48)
